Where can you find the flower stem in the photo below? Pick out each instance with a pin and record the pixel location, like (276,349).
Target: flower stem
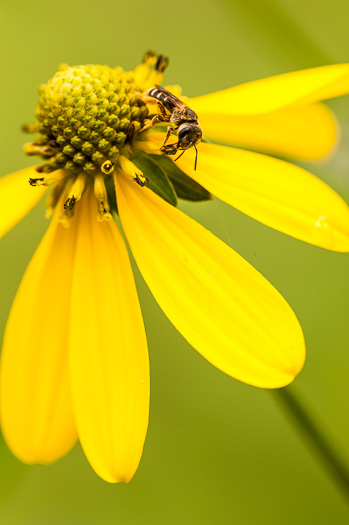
(311,431)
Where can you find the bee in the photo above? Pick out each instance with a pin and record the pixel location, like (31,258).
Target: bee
(180,116)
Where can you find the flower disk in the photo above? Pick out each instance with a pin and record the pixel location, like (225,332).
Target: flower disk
(84,116)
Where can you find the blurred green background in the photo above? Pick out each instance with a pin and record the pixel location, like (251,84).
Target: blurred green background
(217,451)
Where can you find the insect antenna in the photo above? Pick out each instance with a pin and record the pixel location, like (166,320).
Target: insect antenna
(179,156)
(196,157)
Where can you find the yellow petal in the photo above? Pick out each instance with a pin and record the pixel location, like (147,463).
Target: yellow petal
(17,198)
(36,407)
(109,359)
(270,94)
(274,192)
(301,132)
(223,307)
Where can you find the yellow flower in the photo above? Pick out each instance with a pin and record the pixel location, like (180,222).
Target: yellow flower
(74,362)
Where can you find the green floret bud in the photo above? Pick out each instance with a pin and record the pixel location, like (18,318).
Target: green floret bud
(113,121)
(87,148)
(61,122)
(68,132)
(102,114)
(125,110)
(132,100)
(83,116)
(103,145)
(76,142)
(98,158)
(120,139)
(61,158)
(91,110)
(61,141)
(124,124)
(99,125)
(135,112)
(122,99)
(79,158)
(83,132)
(114,108)
(55,130)
(69,150)
(109,133)
(70,165)
(75,123)
(90,168)
(88,121)
(113,153)
(94,137)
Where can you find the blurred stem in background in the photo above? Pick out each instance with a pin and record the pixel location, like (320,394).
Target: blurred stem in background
(312,432)
(281,34)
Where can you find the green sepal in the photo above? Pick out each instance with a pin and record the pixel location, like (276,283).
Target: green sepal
(159,182)
(185,187)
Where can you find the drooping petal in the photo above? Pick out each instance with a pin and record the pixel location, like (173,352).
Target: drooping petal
(223,307)
(17,197)
(109,359)
(36,406)
(276,193)
(270,94)
(300,132)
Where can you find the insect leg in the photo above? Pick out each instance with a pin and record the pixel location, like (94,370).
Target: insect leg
(146,99)
(155,120)
(169,129)
(162,117)
(162,112)
(170,149)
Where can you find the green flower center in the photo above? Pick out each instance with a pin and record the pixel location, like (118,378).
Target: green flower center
(85,118)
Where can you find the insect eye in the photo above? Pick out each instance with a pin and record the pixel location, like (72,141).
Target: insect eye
(183,132)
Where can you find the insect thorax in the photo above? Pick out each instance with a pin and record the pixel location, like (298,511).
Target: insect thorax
(176,117)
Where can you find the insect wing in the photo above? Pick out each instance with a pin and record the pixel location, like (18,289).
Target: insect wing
(171,98)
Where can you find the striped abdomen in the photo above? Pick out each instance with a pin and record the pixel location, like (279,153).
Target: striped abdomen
(162,97)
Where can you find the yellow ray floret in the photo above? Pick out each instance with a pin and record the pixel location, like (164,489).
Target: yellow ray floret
(274,192)
(108,350)
(271,94)
(307,132)
(36,407)
(220,304)
(17,198)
